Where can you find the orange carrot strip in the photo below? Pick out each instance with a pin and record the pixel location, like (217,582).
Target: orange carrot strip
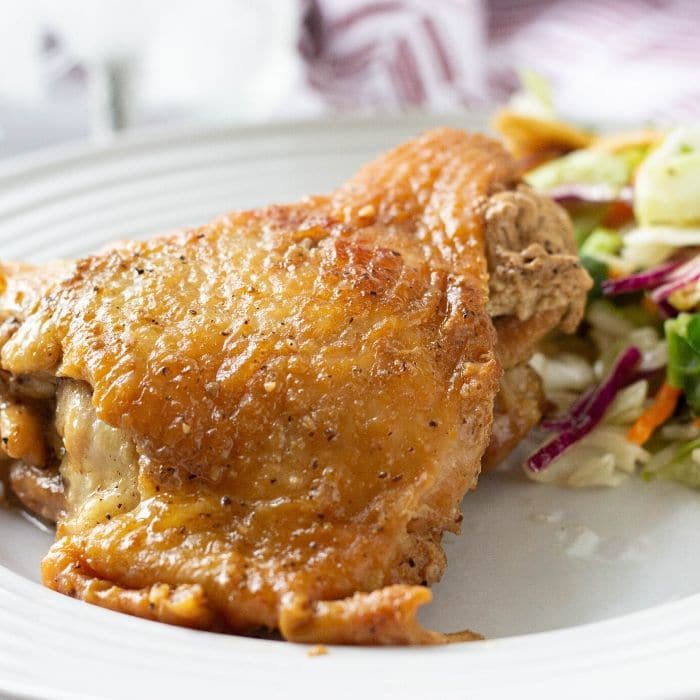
(618,213)
(614,273)
(649,306)
(659,412)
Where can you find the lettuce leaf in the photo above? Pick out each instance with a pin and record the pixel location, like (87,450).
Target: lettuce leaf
(586,217)
(683,341)
(598,271)
(601,243)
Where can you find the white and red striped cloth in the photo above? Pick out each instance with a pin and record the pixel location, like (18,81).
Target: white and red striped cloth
(395,53)
(609,61)
(623,61)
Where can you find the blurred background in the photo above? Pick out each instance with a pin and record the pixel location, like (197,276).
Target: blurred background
(85,69)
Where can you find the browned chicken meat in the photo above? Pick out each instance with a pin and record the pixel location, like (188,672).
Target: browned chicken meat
(267,423)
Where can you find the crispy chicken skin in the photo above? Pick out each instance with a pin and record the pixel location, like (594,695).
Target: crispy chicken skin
(269,422)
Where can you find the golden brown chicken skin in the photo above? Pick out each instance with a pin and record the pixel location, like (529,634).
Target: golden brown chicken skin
(269,422)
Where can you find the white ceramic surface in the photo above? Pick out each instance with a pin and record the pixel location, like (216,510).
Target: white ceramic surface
(599,586)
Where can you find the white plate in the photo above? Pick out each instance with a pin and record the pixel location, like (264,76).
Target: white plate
(600,585)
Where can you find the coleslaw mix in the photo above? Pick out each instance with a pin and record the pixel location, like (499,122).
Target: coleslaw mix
(625,390)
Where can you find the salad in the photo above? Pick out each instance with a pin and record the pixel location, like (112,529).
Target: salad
(624,391)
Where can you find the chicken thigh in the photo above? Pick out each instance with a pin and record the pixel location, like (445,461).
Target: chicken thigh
(268,422)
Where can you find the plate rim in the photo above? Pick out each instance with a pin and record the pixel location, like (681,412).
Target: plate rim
(163,136)
(36,163)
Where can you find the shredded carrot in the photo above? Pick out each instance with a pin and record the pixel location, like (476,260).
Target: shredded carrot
(614,143)
(659,412)
(614,273)
(696,422)
(618,214)
(649,306)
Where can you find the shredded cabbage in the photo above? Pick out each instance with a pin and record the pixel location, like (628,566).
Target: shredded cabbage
(602,243)
(676,463)
(609,171)
(667,185)
(648,246)
(604,316)
(613,328)
(680,432)
(628,405)
(603,458)
(563,372)
(627,304)
(581,431)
